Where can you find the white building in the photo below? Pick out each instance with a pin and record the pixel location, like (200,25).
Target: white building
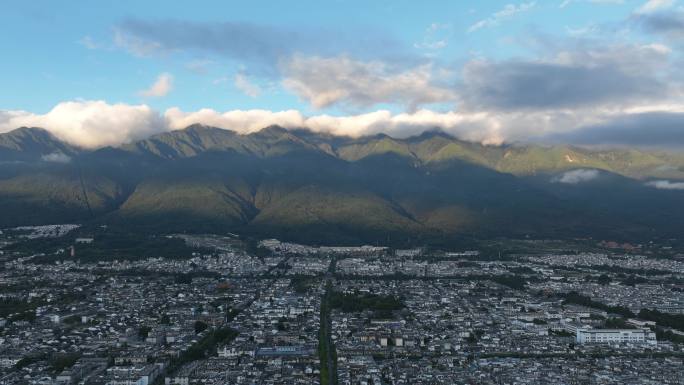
(408,252)
(640,323)
(639,336)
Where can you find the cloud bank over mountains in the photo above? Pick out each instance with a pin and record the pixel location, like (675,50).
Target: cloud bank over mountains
(93,124)
(90,124)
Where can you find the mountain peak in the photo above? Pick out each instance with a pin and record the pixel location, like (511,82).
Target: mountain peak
(30,142)
(27,135)
(202,128)
(196,127)
(272,130)
(429,134)
(30,131)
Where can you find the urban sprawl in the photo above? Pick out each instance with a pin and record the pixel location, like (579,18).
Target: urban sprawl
(297,314)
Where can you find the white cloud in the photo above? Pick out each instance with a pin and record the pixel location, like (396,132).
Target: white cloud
(136,45)
(477,127)
(436,37)
(582,31)
(508,11)
(324,82)
(658,48)
(654,5)
(666,185)
(244,85)
(241,121)
(487,127)
(93,124)
(90,124)
(89,43)
(474,127)
(56,157)
(577,176)
(161,87)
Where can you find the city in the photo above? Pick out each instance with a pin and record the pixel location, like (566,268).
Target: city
(342,192)
(296,314)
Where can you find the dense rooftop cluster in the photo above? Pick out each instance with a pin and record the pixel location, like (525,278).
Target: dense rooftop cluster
(294,314)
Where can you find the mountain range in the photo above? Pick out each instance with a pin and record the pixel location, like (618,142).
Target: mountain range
(320,188)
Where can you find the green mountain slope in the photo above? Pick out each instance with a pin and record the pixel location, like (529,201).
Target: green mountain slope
(54,196)
(312,187)
(181,204)
(318,206)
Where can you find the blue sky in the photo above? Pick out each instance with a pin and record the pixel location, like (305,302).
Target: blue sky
(471,68)
(50,59)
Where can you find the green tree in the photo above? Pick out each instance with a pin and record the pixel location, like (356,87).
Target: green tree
(200,327)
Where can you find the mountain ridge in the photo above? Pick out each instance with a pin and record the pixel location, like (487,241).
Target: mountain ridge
(308,186)
(428,146)
(27,143)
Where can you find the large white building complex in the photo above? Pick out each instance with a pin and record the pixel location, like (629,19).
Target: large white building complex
(585,335)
